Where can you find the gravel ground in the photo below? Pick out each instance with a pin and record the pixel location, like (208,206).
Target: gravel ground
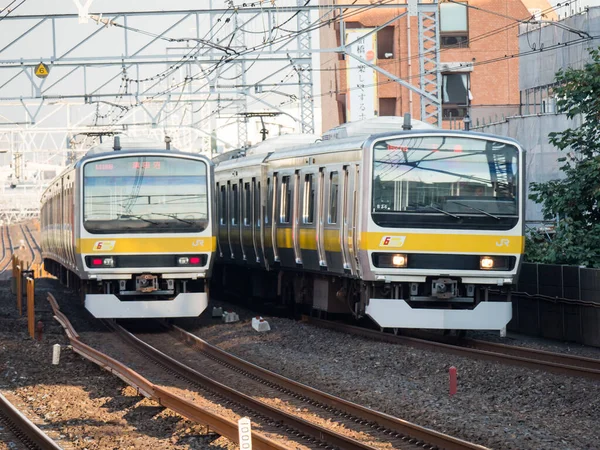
(76,402)
(498,406)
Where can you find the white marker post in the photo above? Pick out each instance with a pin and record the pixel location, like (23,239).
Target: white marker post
(245,433)
(55,354)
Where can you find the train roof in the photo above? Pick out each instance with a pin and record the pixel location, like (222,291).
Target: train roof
(238,157)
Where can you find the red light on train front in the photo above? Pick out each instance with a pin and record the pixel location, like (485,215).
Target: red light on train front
(194,260)
(96,262)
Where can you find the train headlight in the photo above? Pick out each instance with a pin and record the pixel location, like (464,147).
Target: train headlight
(390,260)
(108,262)
(486,262)
(399,260)
(183,261)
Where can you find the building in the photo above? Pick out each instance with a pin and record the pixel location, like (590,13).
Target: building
(478,76)
(537,115)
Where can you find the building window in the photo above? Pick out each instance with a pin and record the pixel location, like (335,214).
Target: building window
(454,25)
(455,95)
(387,106)
(385,43)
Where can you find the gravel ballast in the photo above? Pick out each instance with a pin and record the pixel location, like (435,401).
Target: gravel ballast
(496,405)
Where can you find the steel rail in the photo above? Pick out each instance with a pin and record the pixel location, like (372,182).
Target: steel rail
(187,409)
(30,431)
(29,245)
(10,246)
(517,359)
(316,432)
(3,244)
(376,419)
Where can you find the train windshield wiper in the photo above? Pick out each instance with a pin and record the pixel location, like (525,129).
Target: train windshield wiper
(475,209)
(440,210)
(133,216)
(173,216)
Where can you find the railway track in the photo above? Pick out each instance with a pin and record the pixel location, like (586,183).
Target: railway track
(10,248)
(38,249)
(368,426)
(507,354)
(28,243)
(272,427)
(19,427)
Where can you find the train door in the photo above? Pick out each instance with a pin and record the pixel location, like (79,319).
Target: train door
(296,218)
(247,227)
(220,190)
(230,219)
(333,235)
(275,217)
(308,223)
(256,222)
(234,216)
(268,222)
(320,218)
(286,203)
(344,219)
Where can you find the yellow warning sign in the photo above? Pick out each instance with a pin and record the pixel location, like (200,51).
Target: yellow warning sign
(41,70)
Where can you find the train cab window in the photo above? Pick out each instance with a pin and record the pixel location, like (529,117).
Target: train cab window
(285,207)
(334,186)
(223,206)
(256,189)
(235,205)
(247,205)
(308,209)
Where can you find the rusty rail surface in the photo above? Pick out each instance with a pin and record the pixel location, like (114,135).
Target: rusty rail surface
(220,425)
(507,354)
(394,426)
(29,431)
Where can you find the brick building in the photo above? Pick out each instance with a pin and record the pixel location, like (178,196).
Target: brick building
(473,34)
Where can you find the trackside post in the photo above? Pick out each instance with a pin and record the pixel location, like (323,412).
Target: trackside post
(245,433)
(31,307)
(19,282)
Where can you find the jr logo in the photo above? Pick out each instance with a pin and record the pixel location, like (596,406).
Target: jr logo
(198,243)
(503,243)
(104,246)
(392,241)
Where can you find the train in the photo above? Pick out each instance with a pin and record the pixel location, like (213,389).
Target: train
(131,227)
(387,218)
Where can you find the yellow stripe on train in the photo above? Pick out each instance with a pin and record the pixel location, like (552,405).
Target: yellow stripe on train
(147,245)
(451,243)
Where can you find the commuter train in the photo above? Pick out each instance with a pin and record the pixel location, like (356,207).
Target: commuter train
(132,228)
(413,227)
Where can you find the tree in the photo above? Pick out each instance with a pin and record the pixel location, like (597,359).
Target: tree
(574,199)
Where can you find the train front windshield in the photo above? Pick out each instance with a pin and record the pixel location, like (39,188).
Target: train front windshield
(145,194)
(452,182)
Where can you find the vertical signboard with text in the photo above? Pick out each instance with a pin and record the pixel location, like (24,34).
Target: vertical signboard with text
(361,99)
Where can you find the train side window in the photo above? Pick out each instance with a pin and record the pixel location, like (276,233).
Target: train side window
(334,185)
(269,201)
(234,204)
(223,206)
(247,205)
(285,203)
(308,210)
(256,202)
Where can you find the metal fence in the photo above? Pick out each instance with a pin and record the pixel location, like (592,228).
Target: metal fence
(558,302)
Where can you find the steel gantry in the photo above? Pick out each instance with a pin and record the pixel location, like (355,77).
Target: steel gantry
(191,74)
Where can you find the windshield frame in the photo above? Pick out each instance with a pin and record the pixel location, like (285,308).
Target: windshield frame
(132,224)
(429,218)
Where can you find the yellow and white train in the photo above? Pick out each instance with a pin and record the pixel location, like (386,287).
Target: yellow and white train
(133,229)
(411,227)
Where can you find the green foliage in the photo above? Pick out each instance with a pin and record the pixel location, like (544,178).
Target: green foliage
(574,199)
